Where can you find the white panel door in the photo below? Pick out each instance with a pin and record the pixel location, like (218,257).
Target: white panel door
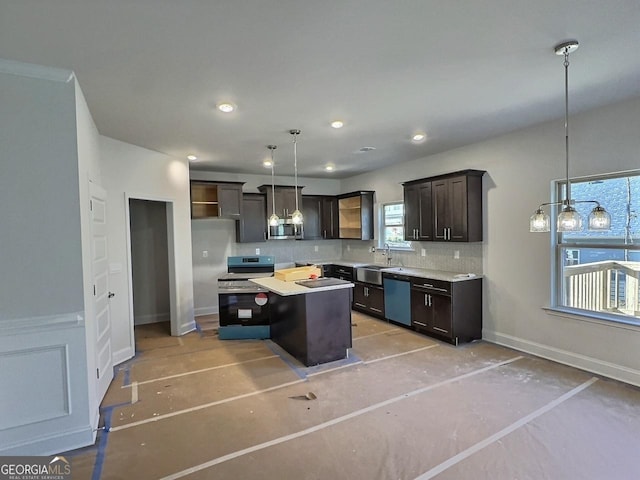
(101,294)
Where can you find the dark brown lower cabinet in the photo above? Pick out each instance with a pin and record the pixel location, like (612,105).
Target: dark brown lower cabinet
(450,311)
(368,299)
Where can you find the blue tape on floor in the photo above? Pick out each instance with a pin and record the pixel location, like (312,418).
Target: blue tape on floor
(286,358)
(127,377)
(102,443)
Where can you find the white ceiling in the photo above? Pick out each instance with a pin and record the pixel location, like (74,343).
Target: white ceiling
(152,72)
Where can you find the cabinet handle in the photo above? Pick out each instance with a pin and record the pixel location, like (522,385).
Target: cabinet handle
(440,330)
(324,234)
(361,305)
(420,323)
(429,300)
(376,310)
(264,234)
(426,302)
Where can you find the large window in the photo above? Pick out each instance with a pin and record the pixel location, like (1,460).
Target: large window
(392,226)
(600,271)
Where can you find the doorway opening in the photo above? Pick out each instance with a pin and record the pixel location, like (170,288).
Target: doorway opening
(151,267)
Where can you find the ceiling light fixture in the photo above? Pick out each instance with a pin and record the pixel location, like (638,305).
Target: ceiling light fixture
(296,216)
(330,168)
(569,220)
(418,137)
(337,124)
(226,107)
(273,219)
(191,158)
(267,163)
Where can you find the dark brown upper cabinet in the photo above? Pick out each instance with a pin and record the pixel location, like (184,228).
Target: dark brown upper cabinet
(252,226)
(418,211)
(285,199)
(446,208)
(216,199)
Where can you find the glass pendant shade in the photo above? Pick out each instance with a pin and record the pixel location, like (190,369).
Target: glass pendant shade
(599,219)
(273,220)
(296,217)
(539,222)
(569,220)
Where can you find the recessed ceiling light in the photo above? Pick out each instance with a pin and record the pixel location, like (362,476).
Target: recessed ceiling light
(191,158)
(418,137)
(366,149)
(267,163)
(337,124)
(330,168)
(226,107)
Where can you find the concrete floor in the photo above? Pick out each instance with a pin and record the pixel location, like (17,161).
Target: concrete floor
(402,406)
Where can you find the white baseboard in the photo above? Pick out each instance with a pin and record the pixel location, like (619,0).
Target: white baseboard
(151,318)
(213,310)
(590,364)
(122,355)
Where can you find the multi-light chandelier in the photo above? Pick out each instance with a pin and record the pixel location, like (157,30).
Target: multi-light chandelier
(569,219)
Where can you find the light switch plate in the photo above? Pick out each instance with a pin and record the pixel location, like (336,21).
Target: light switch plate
(257,251)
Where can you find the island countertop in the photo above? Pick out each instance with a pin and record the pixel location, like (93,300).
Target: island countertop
(292,288)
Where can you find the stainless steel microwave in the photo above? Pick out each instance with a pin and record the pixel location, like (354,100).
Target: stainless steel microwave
(286,230)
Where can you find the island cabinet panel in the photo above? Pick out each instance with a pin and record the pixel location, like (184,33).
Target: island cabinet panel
(450,311)
(216,199)
(252,226)
(315,327)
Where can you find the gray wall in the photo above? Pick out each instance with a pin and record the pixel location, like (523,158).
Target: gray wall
(40,243)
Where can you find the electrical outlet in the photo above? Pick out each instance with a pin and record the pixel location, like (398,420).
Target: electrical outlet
(257,251)
(372,250)
(456,254)
(205,254)
(423,252)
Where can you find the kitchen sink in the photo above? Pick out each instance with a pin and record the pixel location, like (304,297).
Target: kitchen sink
(369,274)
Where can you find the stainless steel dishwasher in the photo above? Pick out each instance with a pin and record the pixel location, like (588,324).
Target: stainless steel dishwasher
(397,298)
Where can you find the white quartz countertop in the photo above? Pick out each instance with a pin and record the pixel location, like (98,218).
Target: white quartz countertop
(408,271)
(432,274)
(292,288)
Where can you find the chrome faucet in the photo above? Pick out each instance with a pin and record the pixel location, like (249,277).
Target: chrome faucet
(387,252)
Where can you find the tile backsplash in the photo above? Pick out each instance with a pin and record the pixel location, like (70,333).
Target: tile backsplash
(438,255)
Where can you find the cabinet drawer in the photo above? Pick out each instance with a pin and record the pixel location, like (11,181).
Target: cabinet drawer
(436,286)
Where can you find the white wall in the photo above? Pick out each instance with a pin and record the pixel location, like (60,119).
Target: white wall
(520,168)
(129,171)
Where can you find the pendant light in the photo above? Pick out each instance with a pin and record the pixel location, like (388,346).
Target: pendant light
(569,220)
(273,219)
(296,216)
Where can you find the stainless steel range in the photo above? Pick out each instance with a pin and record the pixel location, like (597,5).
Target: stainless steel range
(244,306)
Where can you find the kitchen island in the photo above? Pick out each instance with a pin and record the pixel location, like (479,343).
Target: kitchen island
(312,323)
